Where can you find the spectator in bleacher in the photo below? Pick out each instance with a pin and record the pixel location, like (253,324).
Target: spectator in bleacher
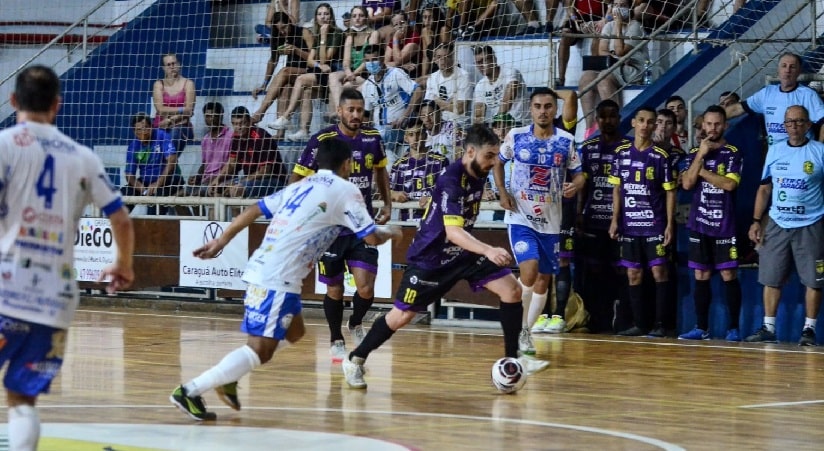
(644,227)
(791,192)
(434,32)
(380,13)
(527,9)
(403,48)
(391,98)
(502,123)
(441,137)
(294,42)
(174,102)
(151,163)
(501,90)
(583,17)
(449,87)
(255,153)
(698,130)
(413,175)
(656,13)
(714,172)
(677,105)
(619,37)
(290,7)
(325,42)
(772,101)
(358,37)
(215,147)
(728,98)
(487,18)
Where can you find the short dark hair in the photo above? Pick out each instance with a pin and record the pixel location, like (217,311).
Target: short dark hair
(543,91)
(372,49)
(483,50)
(280,17)
(646,108)
(608,103)
(675,98)
(350,94)
(480,135)
(667,114)
(332,153)
(140,117)
(717,109)
(36,89)
(794,55)
(241,112)
(731,94)
(215,107)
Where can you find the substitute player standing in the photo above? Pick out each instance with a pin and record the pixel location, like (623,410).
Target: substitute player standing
(46,182)
(541,156)
(714,169)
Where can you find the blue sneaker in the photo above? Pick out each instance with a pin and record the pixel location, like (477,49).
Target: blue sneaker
(733,335)
(695,334)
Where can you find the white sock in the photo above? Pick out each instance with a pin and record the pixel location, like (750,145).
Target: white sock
(234,365)
(769,323)
(536,307)
(810,322)
(526,297)
(24,428)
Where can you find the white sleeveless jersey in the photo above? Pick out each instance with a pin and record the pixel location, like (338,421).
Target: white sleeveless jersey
(538,171)
(46,180)
(306,217)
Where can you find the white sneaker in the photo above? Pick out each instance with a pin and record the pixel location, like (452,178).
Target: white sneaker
(299,135)
(353,372)
(357,333)
(533,365)
(540,325)
(280,123)
(338,351)
(525,344)
(556,325)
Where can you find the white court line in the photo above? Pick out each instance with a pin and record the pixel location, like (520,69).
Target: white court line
(617,434)
(781,404)
(562,337)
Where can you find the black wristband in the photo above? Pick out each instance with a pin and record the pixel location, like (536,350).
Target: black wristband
(756,220)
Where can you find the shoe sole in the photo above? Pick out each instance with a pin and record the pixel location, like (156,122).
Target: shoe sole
(221,394)
(210,416)
(538,370)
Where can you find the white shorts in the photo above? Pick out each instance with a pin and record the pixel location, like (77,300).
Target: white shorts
(269,313)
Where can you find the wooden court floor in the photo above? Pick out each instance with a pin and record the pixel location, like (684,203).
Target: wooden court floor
(429,389)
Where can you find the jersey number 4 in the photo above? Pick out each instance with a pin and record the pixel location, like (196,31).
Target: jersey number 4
(293,203)
(45,182)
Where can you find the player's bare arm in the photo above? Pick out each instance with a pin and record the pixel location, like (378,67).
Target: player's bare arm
(245,219)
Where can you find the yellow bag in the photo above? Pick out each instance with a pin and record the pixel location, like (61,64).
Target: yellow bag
(576,316)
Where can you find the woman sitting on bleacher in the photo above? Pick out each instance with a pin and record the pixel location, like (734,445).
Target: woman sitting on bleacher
(174,102)
(620,36)
(325,58)
(404,47)
(434,32)
(358,37)
(292,41)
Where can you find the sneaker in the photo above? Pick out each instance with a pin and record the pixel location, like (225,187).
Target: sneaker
(357,333)
(525,344)
(762,335)
(228,394)
(556,325)
(658,332)
(532,365)
(807,337)
(633,331)
(733,335)
(299,135)
(540,324)
(353,372)
(338,351)
(695,334)
(280,123)
(190,405)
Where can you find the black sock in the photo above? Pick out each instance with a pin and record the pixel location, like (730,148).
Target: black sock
(662,302)
(636,303)
(378,334)
(511,313)
(334,317)
(359,308)
(702,296)
(562,288)
(732,290)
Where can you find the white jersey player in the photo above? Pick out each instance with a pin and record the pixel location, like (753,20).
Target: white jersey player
(305,218)
(46,180)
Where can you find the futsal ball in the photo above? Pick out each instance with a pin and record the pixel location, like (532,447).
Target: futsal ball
(508,375)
